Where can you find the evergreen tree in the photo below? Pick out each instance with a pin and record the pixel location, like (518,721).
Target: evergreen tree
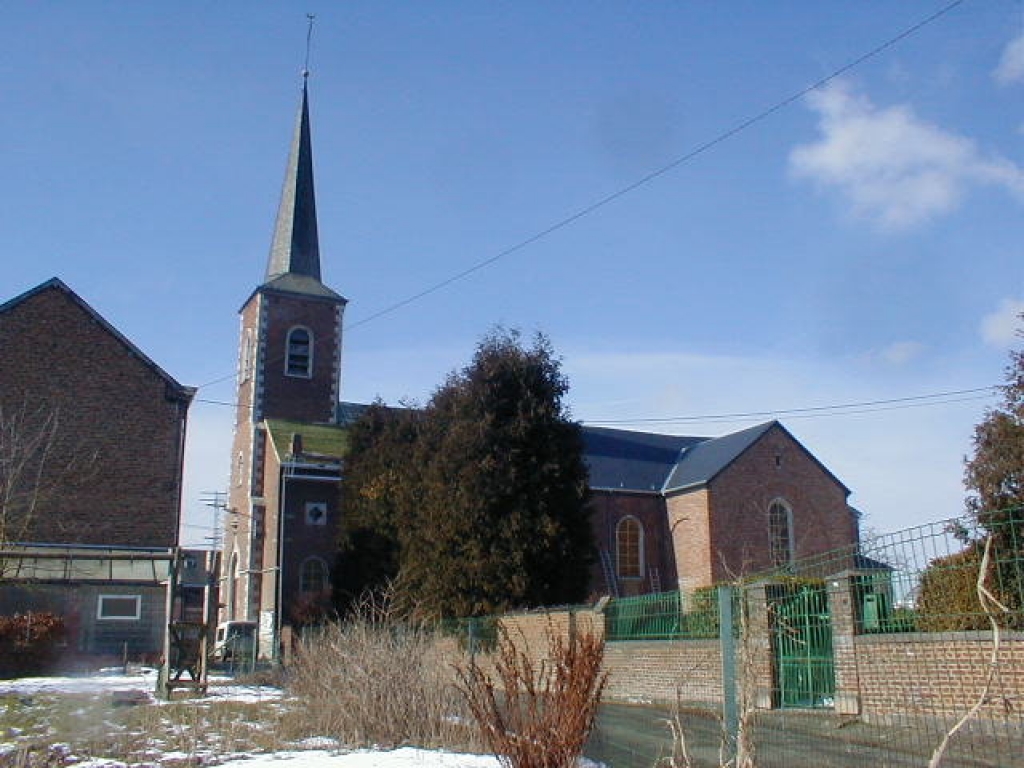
(376,494)
(480,500)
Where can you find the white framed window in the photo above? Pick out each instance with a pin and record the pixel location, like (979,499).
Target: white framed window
(298,360)
(313,575)
(119,607)
(316,513)
(780,533)
(629,548)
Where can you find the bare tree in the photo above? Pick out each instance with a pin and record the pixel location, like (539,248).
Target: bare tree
(37,463)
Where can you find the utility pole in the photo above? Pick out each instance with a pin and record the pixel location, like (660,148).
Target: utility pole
(216,500)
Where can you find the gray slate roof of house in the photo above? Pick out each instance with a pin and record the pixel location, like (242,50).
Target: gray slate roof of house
(651,463)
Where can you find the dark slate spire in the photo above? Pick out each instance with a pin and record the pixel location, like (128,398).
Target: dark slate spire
(296,246)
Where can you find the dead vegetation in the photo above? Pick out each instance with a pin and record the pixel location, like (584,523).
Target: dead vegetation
(375,681)
(537,717)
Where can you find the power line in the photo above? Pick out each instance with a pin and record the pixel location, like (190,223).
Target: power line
(644,180)
(838,409)
(896,402)
(824,415)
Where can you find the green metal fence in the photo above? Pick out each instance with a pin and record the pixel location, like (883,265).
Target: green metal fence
(662,616)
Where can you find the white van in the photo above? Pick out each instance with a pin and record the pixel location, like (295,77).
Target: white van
(235,641)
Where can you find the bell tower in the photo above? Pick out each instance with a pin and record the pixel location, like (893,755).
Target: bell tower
(289,368)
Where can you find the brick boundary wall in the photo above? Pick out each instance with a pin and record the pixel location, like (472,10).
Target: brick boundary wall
(938,674)
(657,670)
(652,671)
(878,677)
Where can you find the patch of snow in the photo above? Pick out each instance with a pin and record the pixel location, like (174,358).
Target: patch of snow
(406,757)
(319,742)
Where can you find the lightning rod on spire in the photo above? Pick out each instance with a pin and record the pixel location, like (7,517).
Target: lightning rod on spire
(309,37)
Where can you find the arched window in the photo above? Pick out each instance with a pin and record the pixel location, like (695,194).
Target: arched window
(313,575)
(629,548)
(232,579)
(780,533)
(247,359)
(299,357)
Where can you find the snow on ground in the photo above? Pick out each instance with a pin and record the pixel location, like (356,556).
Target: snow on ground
(407,757)
(144,680)
(318,752)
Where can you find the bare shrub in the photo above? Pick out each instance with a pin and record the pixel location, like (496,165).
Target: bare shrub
(374,681)
(538,718)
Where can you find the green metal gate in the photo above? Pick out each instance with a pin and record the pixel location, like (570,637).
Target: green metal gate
(802,638)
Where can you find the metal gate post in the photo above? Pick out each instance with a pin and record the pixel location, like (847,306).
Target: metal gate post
(727,642)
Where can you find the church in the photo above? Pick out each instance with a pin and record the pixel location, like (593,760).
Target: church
(669,512)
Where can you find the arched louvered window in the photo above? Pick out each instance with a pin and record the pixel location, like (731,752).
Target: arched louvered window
(313,575)
(629,548)
(299,355)
(780,533)
(232,583)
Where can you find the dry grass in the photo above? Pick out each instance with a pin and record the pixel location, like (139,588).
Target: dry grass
(538,718)
(61,729)
(372,681)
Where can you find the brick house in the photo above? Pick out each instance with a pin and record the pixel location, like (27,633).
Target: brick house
(110,428)
(686,512)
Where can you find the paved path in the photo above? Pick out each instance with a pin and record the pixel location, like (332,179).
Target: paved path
(638,736)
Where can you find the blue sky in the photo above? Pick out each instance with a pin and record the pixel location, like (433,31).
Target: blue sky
(862,243)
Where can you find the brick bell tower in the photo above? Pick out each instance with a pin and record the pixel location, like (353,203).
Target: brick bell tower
(289,371)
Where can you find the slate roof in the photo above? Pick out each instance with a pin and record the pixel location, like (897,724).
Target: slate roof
(296,245)
(348,413)
(646,462)
(709,457)
(619,459)
(294,262)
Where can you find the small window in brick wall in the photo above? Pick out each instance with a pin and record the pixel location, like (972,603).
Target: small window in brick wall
(313,575)
(316,513)
(780,531)
(119,607)
(299,358)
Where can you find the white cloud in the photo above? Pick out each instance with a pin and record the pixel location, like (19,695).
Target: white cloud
(1000,328)
(894,168)
(901,352)
(1011,64)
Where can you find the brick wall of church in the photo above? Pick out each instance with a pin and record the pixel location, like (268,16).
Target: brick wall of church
(114,476)
(607,509)
(775,467)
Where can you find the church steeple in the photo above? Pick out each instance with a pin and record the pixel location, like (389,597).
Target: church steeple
(296,246)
